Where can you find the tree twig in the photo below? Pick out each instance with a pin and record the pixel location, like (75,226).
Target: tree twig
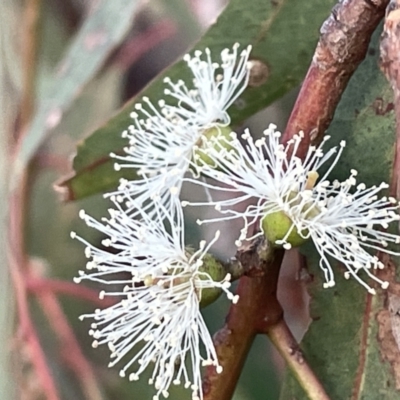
(70,349)
(31,43)
(43,285)
(16,259)
(287,346)
(18,205)
(342,46)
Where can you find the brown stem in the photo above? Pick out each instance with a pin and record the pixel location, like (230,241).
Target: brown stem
(27,327)
(287,346)
(389,63)
(69,345)
(257,294)
(19,265)
(42,285)
(343,44)
(30,49)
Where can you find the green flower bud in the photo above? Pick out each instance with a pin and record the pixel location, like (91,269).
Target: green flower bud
(217,136)
(210,279)
(217,272)
(276,225)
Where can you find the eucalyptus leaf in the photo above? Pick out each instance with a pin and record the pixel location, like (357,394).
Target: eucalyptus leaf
(102,31)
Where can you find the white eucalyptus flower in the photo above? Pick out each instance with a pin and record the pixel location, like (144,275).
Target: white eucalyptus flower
(343,219)
(158,285)
(163,139)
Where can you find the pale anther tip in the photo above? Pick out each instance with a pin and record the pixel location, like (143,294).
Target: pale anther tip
(384,285)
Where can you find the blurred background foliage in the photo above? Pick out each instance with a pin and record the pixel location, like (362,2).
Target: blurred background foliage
(92,57)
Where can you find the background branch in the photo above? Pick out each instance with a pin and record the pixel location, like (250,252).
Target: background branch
(29,56)
(17,257)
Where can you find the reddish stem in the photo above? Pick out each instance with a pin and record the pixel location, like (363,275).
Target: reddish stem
(257,308)
(343,44)
(69,345)
(31,26)
(18,206)
(27,328)
(42,285)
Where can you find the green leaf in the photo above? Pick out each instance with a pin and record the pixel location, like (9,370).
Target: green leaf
(103,29)
(332,344)
(342,343)
(365,120)
(283,34)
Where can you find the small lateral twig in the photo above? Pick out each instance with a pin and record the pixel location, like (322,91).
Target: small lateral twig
(288,348)
(343,44)
(31,26)
(69,345)
(43,285)
(30,336)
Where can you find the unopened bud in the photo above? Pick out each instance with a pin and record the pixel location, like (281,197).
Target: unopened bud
(217,272)
(276,227)
(216,138)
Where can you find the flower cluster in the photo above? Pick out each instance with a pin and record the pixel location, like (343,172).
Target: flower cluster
(159,283)
(293,204)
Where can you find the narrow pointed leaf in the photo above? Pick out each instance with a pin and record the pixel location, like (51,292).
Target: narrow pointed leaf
(101,32)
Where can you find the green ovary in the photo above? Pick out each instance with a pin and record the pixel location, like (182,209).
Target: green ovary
(210,268)
(217,272)
(276,225)
(212,134)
